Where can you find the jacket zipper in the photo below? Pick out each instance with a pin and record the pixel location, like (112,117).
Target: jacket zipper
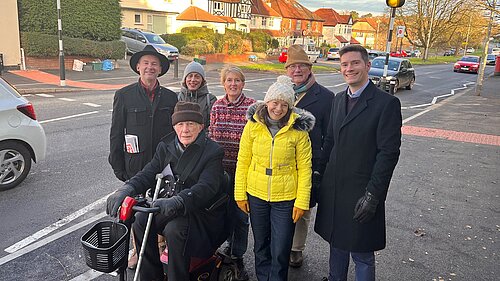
(270,166)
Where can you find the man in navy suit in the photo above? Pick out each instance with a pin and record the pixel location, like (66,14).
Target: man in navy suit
(361,151)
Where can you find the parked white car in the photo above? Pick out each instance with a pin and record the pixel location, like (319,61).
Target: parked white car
(495,51)
(22,138)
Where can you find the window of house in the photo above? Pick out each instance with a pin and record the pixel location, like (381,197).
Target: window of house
(252,21)
(271,22)
(217,6)
(299,25)
(150,22)
(137,18)
(264,21)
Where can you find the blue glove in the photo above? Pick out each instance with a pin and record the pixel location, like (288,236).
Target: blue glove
(115,200)
(365,208)
(170,207)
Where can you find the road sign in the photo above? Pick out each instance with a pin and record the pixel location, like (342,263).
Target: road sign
(400,32)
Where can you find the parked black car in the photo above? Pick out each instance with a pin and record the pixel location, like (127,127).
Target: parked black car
(399,69)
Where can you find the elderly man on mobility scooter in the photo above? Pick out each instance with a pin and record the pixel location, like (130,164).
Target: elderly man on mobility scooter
(190,229)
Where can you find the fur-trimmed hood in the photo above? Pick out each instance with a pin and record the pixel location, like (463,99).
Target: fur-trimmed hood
(304,120)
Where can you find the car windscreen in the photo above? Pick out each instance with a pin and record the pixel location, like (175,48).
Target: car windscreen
(154,39)
(491,57)
(393,65)
(469,59)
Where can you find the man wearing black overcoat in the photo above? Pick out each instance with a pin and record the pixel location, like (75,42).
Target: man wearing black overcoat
(361,152)
(141,111)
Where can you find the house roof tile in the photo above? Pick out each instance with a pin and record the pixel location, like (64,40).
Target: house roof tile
(194,13)
(260,8)
(293,10)
(354,41)
(227,19)
(331,17)
(341,39)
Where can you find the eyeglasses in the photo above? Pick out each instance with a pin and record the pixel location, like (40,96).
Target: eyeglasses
(295,66)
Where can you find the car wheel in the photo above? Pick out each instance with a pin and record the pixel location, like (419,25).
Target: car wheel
(15,164)
(396,87)
(410,85)
(227,273)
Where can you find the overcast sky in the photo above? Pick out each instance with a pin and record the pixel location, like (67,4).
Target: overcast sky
(376,7)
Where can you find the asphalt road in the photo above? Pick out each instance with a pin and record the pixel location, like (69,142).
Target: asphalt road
(446,191)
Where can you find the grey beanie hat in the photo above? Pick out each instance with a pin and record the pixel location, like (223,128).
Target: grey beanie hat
(193,67)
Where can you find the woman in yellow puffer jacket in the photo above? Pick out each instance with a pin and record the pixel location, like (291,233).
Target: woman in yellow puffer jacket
(273,176)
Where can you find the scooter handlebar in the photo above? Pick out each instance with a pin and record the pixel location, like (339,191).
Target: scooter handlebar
(146,209)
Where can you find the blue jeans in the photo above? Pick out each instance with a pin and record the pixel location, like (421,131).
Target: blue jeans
(339,265)
(273,229)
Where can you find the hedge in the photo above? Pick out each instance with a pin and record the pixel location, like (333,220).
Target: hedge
(42,45)
(261,41)
(178,40)
(98,20)
(197,47)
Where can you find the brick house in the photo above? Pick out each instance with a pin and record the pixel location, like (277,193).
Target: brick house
(336,28)
(298,23)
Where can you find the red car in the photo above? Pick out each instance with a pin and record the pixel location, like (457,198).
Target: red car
(283,56)
(467,64)
(398,54)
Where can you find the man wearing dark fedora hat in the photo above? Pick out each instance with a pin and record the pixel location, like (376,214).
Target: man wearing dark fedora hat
(142,115)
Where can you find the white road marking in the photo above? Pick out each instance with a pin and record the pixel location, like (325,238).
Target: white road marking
(89,275)
(68,117)
(27,95)
(174,89)
(67,99)
(45,95)
(433,104)
(248,90)
(338,85)
(41,233)
(51,238)
(91,104)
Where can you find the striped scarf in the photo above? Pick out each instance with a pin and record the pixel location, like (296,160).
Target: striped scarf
(302,88)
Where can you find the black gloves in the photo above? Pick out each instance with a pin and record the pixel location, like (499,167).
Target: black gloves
(121,175)
(365,208)
(316,182)
(170,207)
(115,200)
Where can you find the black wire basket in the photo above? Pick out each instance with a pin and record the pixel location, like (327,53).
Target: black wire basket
(105,246)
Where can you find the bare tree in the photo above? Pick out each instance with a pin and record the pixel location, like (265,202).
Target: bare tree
(430,20)
(490,5)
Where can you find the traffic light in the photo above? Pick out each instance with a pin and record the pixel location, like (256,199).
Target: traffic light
(395,3)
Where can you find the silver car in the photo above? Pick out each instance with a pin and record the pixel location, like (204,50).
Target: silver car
(22,138)
(135,41)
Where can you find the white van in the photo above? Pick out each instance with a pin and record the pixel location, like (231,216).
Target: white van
(495,51)
(310,48)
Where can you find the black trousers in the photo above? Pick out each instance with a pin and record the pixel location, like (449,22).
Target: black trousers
(175,232)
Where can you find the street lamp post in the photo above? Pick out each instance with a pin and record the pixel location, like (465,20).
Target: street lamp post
(393,4)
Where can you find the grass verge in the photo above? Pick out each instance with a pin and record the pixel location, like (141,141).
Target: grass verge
(434,60)
(280,67)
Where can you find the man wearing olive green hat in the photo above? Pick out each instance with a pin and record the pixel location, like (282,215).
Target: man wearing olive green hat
(313,97)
